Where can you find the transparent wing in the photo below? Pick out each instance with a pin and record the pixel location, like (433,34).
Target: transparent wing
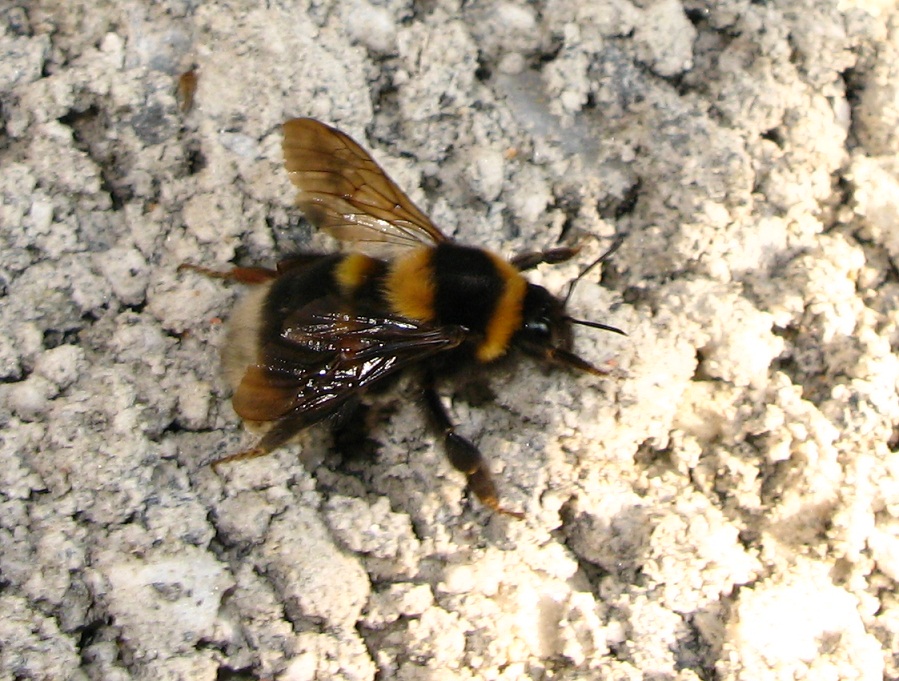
(344,192)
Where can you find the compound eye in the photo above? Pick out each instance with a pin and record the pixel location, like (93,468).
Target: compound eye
(538,327)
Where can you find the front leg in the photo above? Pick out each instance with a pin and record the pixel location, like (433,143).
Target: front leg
(462,454)
(552,256)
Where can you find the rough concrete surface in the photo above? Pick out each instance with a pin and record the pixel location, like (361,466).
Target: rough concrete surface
(725,505)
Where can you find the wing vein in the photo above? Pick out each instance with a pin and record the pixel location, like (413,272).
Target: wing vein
(344,192)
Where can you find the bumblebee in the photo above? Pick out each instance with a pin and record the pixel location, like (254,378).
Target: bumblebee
(319,330)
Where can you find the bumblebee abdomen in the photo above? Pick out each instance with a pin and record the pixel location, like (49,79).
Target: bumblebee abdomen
(348,281)
(469,287)
(359,276)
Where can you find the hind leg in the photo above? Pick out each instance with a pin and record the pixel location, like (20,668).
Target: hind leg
(350,431)
(463,455)
(244,275)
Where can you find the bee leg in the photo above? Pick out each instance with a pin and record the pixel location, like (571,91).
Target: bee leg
(282,431)
(350,427)
(464,456)
(564,358)
(252,453)
(244,275)
(552,256)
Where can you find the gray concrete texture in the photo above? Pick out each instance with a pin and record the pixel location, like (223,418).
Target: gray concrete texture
(724,505)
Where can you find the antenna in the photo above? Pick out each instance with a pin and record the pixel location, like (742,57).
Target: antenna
(614,247)
(596,325)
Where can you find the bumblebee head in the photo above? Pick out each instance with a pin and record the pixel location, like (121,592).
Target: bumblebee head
(544,322)
(546,330)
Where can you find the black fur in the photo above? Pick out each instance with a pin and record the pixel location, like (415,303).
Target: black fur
(468,286)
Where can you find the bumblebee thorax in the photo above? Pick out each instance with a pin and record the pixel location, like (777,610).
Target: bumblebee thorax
(460,285)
